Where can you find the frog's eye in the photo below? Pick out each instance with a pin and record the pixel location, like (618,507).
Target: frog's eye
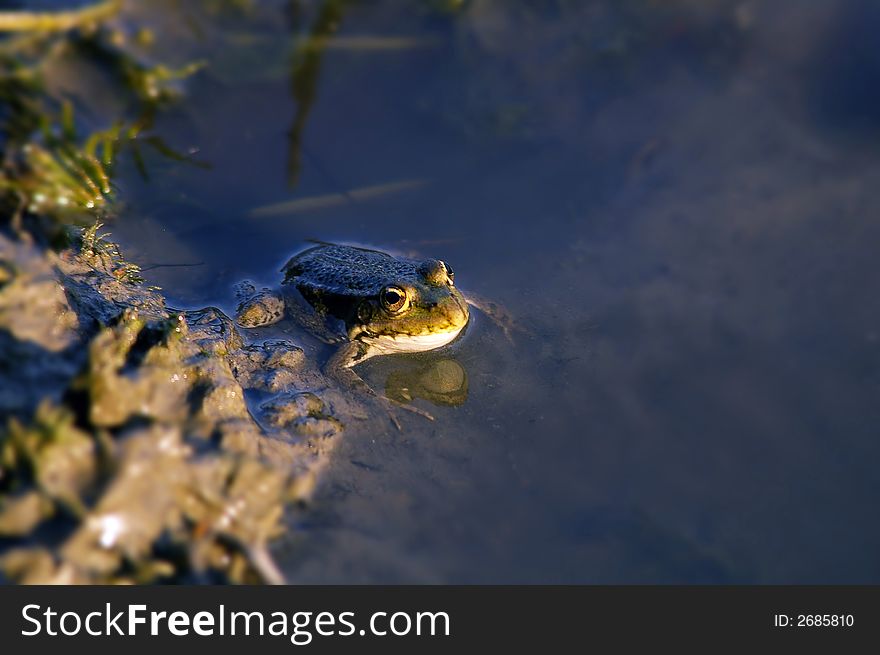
(449,273)
(393,298)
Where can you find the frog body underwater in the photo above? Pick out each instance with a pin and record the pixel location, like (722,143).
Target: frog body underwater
(369,302)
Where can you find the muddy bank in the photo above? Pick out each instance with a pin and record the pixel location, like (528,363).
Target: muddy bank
(129,452)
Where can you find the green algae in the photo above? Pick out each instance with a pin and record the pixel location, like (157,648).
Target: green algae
(53,170)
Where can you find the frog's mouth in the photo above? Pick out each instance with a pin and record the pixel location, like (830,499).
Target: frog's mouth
(408,343)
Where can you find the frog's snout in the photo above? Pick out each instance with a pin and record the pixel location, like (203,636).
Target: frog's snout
(457,310)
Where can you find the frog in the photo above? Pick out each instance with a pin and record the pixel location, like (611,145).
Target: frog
(366,302)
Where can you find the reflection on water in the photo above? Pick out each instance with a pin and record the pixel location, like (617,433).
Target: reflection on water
(441,382)
(305,72)
(677,201)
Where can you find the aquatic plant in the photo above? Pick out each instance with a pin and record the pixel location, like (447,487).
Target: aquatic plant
(49,170)
(49,21)
(96,247)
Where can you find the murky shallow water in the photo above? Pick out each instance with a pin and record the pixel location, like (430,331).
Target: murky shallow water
(678,203)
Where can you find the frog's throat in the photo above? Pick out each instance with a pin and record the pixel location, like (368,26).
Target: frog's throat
(405,343)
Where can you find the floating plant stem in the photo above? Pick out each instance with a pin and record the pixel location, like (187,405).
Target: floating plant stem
(57,21)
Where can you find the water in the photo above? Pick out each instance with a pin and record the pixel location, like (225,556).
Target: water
(678,201)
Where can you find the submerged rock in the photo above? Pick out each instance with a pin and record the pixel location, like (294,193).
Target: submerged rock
(303,413)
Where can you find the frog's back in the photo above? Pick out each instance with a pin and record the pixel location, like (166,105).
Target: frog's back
(345,270)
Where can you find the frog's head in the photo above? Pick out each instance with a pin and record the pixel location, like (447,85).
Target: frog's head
(417,310)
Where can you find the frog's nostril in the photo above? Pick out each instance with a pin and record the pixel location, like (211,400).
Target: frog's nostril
(433,271)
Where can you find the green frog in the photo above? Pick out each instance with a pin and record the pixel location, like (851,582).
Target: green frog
(366,301)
